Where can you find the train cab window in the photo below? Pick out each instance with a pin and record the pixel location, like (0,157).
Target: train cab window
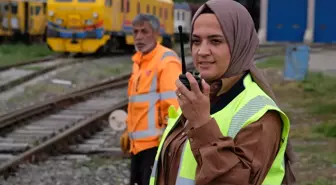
(108,2)
(87,1)
(6,8)
(14,8)
(31,10)
(154,10)
(122,5)
(127,6)
(165,14)
(37,10)
(148,9)
(44,8)
(138,7)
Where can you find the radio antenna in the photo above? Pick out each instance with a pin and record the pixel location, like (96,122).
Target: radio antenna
(184,70)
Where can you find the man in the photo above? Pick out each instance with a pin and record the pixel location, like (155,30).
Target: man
(151,91)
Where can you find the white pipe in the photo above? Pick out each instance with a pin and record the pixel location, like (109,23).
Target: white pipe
(262,33)
(309,33)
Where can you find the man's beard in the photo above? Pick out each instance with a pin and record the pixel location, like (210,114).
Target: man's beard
(150,48)
(136,48)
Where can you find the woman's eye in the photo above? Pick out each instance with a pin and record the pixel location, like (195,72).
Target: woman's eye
(195,41)
(216,41)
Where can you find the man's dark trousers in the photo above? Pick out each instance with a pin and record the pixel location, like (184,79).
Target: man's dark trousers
(141,166)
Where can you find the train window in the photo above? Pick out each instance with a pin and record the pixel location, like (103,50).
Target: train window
(108,2)
(127,6)
(37,10)
(138,7)
(31,10)
(154,10)
(160,12)
(6,7)
(44,8)
(14,8)
(182,16)
(87,1)
(122,5)
(178,15)
(148,9)
(165,13)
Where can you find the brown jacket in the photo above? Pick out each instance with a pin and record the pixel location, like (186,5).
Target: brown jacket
(222,160)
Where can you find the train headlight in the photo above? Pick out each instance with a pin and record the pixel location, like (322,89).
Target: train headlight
(51,13)
(89,22)
(59,21)
(95,15)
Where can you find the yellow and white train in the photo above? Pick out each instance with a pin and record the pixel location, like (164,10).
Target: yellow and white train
(23,18)
(89,26)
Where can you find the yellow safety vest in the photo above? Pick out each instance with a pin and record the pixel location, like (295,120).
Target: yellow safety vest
(249,106)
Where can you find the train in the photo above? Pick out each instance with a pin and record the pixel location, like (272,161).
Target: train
(88,26)
(94,26)
(23,20)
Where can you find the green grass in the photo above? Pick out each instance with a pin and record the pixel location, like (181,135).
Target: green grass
(310,105)
(261,50)
(327,129)
(319,93)
(272,62)
(14,53)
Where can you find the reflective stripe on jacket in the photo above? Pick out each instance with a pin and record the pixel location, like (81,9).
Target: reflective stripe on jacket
(249,106)
(151,90)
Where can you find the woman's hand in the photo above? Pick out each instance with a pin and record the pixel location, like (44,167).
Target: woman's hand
(194,104)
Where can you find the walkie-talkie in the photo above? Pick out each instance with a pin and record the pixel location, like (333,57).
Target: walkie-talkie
(183,78)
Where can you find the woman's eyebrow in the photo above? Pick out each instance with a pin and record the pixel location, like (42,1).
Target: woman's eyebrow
(209,36)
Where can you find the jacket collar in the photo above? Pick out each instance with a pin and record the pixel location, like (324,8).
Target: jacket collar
(139,57)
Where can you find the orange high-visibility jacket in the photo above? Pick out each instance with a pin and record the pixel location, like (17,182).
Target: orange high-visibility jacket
(151,90)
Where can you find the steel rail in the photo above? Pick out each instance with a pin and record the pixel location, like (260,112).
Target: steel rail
(34,61)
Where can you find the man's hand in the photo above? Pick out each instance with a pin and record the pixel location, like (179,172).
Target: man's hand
(125,142)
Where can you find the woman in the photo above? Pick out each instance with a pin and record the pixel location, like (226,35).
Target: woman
(238,135)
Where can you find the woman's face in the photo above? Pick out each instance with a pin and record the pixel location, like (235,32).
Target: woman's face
(210,52)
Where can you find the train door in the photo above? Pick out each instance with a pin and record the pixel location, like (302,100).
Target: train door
(325,27)
(9,16)
(39,19)
(35,18)
(108,15)
(286,20)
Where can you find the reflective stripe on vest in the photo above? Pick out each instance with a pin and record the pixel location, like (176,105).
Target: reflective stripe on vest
(152,97)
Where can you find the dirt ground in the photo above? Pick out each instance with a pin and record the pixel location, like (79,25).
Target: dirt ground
(310,105)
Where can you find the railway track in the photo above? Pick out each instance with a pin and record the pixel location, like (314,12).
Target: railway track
(52,125)
(19,73)
(68,124)
(44,59)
